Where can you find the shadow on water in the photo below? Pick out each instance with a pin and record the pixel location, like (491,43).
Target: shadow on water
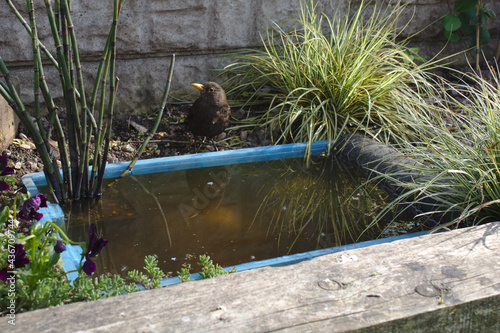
(235,213)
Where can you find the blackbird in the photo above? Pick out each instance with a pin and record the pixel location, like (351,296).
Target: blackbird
(209,114)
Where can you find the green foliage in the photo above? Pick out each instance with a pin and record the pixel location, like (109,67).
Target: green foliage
(153,276)
(208,269)
(87,288)
(468,18)
(462,157)
(316,84)
(185,274)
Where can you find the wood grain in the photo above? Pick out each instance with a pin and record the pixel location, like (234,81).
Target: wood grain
(439,282)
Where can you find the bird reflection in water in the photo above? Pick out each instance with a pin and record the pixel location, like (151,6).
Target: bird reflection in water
(208,186)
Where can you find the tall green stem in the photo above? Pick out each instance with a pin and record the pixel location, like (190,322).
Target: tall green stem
(156,124)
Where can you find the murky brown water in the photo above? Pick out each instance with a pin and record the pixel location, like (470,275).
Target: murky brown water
(235,214)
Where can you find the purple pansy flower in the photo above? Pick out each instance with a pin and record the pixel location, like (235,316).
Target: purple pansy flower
(20,261)
(60,246)
(4,170)
(94,247)
(30,207)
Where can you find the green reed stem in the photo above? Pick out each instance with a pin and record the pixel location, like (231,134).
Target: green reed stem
(113,86)
(156,124)
(17,105)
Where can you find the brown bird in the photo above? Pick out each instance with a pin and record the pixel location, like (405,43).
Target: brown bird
(209,114)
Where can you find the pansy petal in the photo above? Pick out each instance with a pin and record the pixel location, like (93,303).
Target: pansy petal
(4,186)
(98,246)
(20,256)
(92,236)
(7,171)
(36,216)
(88,267)
(42,200)
(60,246)
(3,274)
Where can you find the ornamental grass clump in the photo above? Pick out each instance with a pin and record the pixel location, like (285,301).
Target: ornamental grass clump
(88,116)
(325,76)
(461,157)
(83,121)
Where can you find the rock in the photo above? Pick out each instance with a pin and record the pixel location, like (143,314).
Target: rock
(27,145)
(243,135)
(137,127)
(222,136)
(18,165)
(128,148)
(33,165)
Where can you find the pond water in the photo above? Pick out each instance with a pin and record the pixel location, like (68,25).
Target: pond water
(235,213)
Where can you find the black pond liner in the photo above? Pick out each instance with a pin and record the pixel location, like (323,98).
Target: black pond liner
(376,159)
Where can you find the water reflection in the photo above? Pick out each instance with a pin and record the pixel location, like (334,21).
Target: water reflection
(235,214)
(329,202)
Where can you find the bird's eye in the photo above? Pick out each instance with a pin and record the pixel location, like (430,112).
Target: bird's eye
(211,90)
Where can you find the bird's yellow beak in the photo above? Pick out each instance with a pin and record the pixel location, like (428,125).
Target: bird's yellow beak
(197,86)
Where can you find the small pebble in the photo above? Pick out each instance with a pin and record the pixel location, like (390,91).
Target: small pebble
(243,135)
(138,127)
(33,165)
(222,136)
(128,148)
(27,146)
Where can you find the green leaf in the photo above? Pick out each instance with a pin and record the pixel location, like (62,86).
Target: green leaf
(451,36)
(484,36)
(464,5)
(4,215)
(487,15)
(469,23)
(451,22)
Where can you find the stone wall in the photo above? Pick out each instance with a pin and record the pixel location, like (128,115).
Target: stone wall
(199,32)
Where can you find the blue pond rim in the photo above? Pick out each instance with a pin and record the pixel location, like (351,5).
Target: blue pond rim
(72,255)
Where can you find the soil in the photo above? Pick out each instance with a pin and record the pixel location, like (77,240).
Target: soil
(172,138)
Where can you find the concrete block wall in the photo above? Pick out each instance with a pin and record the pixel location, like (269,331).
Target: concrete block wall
(200,32)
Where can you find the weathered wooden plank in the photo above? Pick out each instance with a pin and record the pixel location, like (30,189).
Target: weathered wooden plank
(428,281)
